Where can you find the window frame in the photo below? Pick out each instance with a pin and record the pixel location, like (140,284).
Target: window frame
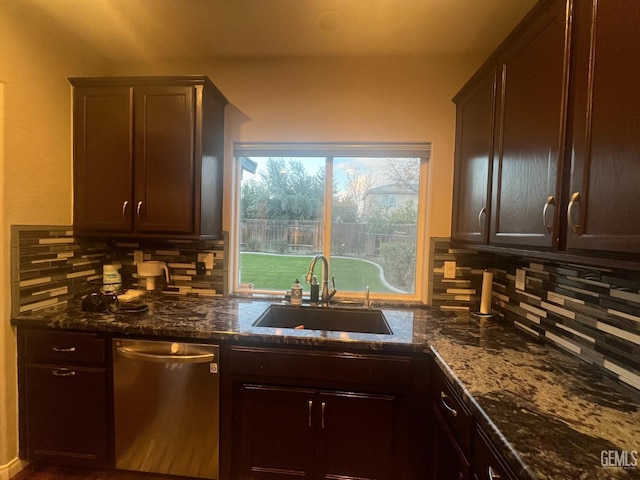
(329,151)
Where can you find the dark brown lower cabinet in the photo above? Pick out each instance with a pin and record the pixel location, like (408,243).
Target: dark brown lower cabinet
(450,462)
(356,436)
(66,415)
(276,435)
(452,431)
(288,432)
(63,397)
(487,462)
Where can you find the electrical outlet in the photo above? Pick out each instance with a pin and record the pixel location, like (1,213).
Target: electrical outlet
(207,259)
(449,269)
(200,268)
(138,256)
(521,277)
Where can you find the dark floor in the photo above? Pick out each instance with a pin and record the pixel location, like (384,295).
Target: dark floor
(36,472)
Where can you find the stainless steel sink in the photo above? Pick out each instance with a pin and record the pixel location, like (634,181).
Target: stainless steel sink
(332,319)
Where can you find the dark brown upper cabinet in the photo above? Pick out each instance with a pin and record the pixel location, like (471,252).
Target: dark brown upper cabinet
(148,156)
(475,109)
(530,132)
(564,139)
(604,191)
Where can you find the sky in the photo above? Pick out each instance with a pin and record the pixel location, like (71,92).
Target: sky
(342,168)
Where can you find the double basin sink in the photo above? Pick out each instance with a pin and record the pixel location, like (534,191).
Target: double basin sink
(337,319)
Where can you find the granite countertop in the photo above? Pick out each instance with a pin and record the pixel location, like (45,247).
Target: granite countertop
(551,414)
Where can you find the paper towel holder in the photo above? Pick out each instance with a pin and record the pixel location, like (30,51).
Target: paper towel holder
(482,315)
(485,295)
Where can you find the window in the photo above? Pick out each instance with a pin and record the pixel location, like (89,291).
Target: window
(389,200)
(358,205)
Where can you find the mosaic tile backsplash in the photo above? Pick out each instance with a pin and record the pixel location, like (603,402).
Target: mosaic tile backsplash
(49,266)
(589,312)
(593,313)
(463,291)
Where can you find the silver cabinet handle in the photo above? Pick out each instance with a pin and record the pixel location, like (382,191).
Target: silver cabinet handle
(124,208)
(138,209)
(310,409)
(443,400)
(324,405)
(64,349)
(575,198)
(551,202)
(483,211)
(63,372)
(493,475)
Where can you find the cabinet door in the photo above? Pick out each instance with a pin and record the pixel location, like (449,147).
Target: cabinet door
(474,153)
(449,463)
(277,433)
(606,140)
(357,437)
(530,133)
(66,415)
(487,464)
(164,159)
(103,159)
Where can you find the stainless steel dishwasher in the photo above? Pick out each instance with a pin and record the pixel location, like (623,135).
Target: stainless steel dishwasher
(166,402)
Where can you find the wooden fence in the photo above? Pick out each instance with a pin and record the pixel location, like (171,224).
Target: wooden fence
(305,237)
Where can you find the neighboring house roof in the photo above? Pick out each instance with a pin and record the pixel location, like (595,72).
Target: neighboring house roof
(393,188)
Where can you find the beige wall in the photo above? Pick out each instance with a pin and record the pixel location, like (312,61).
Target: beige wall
(320,100)
(35,161)
(380,99)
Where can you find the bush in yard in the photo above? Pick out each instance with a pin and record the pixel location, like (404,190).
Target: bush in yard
(253,245)
(280,246)
(398,262)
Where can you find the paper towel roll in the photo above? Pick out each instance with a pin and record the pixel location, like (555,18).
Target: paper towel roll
(487,285)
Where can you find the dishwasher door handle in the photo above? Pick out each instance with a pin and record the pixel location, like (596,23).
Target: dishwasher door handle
(161,358)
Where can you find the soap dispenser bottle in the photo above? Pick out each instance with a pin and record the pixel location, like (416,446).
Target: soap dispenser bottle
(314,291)
(296,293)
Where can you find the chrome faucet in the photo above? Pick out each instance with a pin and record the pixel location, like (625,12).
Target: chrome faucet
(326,294)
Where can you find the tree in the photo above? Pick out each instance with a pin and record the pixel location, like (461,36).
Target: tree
(404,172)
(254,199)
(406,214)
(344,210)
(285,191)
(358,183)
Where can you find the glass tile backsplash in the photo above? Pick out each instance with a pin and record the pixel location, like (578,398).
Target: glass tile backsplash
(49,266)
(593,313)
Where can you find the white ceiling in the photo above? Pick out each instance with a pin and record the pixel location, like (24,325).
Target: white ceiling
(169,29)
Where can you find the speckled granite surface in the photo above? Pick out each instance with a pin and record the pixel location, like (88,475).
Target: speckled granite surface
(551,414)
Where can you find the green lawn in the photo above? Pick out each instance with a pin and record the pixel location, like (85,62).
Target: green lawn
(278,272)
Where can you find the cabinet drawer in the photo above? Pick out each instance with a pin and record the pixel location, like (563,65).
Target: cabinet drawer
(317,365)
(45,346)
(454,413)
(487,464)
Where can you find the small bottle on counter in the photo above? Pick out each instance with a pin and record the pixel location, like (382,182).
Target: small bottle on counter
(111,278)
(296,293)
(315,291)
